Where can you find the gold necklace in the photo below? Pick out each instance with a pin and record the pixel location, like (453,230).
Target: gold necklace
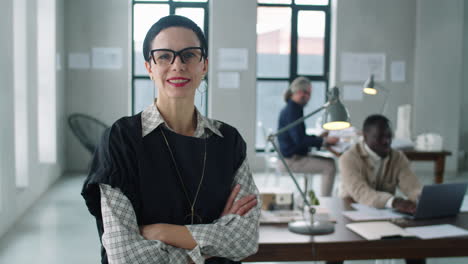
(192,204)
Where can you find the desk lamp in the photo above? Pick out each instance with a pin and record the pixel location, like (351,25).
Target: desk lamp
(371,88)
(335,117)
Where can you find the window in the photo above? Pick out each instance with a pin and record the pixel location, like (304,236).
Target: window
(20,93)
(46,77)
(293,39)
(145,14)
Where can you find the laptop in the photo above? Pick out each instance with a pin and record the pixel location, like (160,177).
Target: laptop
(439,200)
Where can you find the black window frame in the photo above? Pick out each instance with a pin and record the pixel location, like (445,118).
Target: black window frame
(173,5)
(293,57)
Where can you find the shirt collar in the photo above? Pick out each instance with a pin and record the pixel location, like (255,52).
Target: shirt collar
(374,156)
(151,118)
(291,102)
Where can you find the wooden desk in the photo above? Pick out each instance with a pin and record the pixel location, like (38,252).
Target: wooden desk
(278,244)
(437,156)
(413,155)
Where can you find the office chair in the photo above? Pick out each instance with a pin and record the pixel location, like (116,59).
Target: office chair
(271,160)
(87,129)
(273,164)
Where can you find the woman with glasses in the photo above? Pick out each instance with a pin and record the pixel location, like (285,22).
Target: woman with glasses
(169,185)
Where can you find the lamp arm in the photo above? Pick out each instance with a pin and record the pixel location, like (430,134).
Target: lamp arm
(387,94)
(271,139)
(286,128)
(384,106)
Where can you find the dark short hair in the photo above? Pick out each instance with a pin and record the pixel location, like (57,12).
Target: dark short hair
(173,21)
(373,120)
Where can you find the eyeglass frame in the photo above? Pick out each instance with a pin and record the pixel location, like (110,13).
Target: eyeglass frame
(178,53)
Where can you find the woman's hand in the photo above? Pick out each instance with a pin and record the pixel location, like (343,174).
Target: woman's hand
(174,235)
(242,206)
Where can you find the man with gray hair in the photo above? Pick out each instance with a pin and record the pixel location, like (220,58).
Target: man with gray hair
(295,144)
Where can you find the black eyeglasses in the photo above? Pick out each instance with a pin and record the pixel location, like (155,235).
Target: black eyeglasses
(166,57)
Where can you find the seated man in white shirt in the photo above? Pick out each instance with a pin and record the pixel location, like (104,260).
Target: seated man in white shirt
(371,171)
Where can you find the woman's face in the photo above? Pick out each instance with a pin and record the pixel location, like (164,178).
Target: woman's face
(178,80)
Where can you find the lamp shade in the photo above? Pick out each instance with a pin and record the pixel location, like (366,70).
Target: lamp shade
(336,115)
(369,86)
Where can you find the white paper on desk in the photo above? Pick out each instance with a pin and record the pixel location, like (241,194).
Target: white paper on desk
(464,206)
(362,207)
(348,137)
(347,132)
(436,231)
(366,213)
(377,230)
(279,216)
(383,214)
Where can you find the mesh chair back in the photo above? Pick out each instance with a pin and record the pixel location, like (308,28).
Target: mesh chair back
(87,129)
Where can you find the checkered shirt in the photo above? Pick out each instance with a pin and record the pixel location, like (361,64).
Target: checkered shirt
(231,236)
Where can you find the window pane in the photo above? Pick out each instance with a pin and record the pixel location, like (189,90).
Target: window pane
(145,92)
(310,43)
(273,41)
(195,14)
(46,81)
(274,1)
(311,2)
(139,61)
(269,103)
(21,92)
(144,16)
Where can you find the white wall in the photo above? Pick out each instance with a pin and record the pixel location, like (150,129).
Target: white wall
(103,94)
(229,29)
(438,72)
(428,36)
(16,201)
(376,26)
(7,171)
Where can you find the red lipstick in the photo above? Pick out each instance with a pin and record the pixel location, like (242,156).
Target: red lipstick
(178,81)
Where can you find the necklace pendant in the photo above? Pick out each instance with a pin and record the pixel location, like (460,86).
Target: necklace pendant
(192,215)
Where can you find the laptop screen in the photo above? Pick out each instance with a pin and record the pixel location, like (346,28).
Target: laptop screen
(440,200)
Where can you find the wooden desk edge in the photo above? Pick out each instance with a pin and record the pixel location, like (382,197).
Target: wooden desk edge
(412,248)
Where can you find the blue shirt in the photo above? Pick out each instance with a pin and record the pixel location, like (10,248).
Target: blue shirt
(295,141)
